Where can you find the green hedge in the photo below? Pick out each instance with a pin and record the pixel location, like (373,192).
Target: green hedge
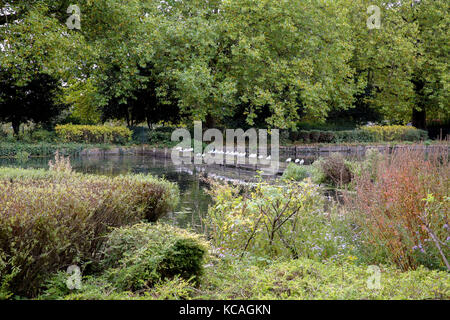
(396,133)
(10,149)
(49,220)
(93,134)
(365,134)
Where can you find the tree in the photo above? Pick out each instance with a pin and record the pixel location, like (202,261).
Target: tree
(36,57)
(431,73)
(402,67)
(32,102)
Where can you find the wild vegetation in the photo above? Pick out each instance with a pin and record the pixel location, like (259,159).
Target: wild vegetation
(51,219)
(136,70)
(236,63)
(281,240)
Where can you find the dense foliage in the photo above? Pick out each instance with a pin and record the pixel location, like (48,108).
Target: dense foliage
(262,62)
(51,219)
(364,134)
(93,134)
(273,221)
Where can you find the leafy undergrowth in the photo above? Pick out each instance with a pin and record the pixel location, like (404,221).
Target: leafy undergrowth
(141,261)
(305,279)
(247,279)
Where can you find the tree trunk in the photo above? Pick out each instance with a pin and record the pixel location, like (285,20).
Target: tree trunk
(16,127)
(127,117)
(419,118)
(210,122)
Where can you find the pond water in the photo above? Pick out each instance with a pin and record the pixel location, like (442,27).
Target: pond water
(194,200)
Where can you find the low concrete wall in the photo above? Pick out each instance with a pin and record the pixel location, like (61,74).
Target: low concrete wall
(318,151)
(308,153)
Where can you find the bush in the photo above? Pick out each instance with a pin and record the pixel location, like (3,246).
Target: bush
(42,135)
(138,257)
(295,172)
(3,134)
(304,136)
(354,136)
(273,221)
(402,207)
(156,137)
(93,134)
(22,156)
(317,174)
(314,136)
(396,133)
(365,134)
(306,279)
(140,135)
(10,149)
(49,220)
(336,170)
(327,136)
(369,165)
(161,136)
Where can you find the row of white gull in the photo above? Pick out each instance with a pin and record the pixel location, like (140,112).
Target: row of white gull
(238,154)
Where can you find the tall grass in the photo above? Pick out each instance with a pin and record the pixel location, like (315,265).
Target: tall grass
(402,206)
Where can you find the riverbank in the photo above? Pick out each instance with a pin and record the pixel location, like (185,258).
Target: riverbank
(307,153)
(10,149)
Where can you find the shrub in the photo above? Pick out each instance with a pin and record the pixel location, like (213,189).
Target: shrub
(156,137)
(3,134)
(162,136)
(402,207)
(93,134)
(49,220)
(369,165)
(304,136)
(42,135)
(327,136)
(306,279)
(336,170)
(317,174)
(314,136)
(10,149)
(140,135)
(295,172)
(396,133)
(22,156)
(139,256)
(354,136)
(272,221)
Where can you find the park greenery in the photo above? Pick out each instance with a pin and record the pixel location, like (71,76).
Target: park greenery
(235,62)
(269,240)
(136,70)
